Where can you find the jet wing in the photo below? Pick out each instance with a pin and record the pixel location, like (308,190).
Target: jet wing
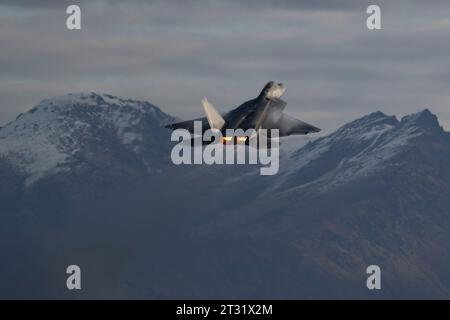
(287,124)
(189,125)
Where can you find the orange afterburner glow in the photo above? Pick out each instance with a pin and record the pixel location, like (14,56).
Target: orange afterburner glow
(226,139)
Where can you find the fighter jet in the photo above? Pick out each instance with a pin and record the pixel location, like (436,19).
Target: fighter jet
(263,112)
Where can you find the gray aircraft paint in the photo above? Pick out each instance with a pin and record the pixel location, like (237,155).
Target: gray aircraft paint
(265,111)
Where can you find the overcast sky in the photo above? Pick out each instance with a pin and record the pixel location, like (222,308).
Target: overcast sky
(172,53)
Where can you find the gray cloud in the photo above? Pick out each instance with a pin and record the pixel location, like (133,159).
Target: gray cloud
(172,53)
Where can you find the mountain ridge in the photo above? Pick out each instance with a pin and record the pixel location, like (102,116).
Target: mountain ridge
(43,139)
(375,191)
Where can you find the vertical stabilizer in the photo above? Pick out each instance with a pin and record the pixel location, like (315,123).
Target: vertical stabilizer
(215,120)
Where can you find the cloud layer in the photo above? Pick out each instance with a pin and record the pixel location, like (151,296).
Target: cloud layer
(172,53)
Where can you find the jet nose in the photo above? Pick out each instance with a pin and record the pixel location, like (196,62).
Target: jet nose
(282,88)
(276,91)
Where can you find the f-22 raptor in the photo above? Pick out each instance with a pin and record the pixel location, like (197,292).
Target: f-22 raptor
(263,112)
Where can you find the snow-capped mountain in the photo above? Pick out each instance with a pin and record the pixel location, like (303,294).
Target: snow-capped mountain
(48,138)
(376,191)
(362,151)
(87,179)
(358,149)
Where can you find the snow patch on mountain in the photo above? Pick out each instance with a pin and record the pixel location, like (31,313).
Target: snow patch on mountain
(355,150)
(40,141)
(31,142)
